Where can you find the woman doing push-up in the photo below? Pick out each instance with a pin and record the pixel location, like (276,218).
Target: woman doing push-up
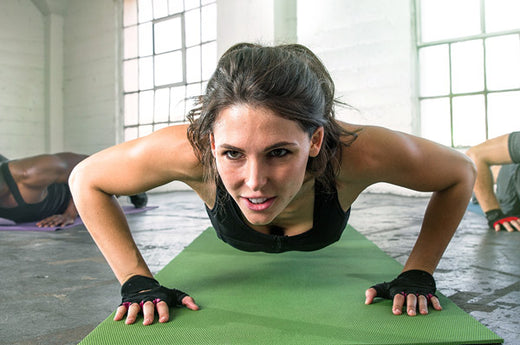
(276,171)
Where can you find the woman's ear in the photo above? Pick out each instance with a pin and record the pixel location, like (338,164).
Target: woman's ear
(316,141)
(212,144)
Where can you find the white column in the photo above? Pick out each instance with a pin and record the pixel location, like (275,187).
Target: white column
(54,82)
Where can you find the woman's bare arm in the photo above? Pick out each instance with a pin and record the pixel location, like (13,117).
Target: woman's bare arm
(418,164)
(127,169)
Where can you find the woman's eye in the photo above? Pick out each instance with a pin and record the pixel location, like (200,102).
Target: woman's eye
(279,152)
(232,154)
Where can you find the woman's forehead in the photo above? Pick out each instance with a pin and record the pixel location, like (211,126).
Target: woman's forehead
(244,124)
(243,118)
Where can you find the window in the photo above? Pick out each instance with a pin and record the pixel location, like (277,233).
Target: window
(169,54)
(469,69)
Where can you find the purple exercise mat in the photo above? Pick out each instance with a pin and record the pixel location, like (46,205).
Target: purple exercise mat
(8,225)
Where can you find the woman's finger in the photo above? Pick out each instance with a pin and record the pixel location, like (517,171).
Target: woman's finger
(370,294)
(411,304)
(435,303)
(163,311)
(189,303)
(133,310)
(397,307)
(148,313)
(120,313)
(422,302)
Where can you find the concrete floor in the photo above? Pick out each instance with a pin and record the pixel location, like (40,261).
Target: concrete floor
(56,287)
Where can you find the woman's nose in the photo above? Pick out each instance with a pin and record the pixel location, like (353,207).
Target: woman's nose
(256,177)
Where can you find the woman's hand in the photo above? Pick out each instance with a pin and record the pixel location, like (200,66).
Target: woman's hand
(415,288)
(56,220)
(140,293)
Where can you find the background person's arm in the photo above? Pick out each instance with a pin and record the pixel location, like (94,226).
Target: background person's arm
(493,152)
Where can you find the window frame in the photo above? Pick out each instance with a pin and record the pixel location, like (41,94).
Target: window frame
(190,88)
(485,92)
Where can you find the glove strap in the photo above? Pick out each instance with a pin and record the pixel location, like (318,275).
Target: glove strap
(137,284)
(420,276)
(494,216)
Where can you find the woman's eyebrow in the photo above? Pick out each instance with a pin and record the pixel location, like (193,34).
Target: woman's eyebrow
(268,148)
(280,144)
(229,147)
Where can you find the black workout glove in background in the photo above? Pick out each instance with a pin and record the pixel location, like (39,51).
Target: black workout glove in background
(415,282)
(496,216)
(140,289)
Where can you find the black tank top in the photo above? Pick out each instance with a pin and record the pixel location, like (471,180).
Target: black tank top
(328,225)
(56,201)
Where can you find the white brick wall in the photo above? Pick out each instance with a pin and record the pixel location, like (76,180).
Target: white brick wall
(368,49)
(90,75)
(22,116)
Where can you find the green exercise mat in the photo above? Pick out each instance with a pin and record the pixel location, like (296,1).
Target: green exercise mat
(290,298)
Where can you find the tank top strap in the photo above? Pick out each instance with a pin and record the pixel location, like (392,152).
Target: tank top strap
(11,184)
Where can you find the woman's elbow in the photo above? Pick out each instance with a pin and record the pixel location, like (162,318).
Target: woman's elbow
(78,178)
(469,171)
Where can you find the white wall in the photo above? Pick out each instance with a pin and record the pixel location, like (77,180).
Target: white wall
(58,76)
(244,21)
(368,48)
(22,115)
(256,21)
(91,75)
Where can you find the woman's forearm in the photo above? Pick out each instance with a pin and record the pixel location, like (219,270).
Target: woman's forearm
(443,215)
(108,227)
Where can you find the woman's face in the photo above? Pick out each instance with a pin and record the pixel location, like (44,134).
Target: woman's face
(261,159)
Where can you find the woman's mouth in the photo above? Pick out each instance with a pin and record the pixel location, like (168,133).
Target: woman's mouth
(258,204)
(257,200)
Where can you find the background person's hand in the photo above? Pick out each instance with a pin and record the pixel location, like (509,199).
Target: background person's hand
(56,220)
(497,221)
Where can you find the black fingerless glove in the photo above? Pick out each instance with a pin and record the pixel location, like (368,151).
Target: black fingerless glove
(140,289)
(496,216)
(415,282)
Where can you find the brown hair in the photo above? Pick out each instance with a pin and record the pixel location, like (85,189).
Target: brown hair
(289,80)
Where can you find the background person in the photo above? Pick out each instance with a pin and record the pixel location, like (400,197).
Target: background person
(493,159)
(35,189)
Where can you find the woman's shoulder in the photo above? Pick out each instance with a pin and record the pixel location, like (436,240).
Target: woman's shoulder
(372,149)
(181,159)
(172,138)
(170,149)
(365,140)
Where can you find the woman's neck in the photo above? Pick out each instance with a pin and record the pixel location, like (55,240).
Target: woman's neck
(297,217)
